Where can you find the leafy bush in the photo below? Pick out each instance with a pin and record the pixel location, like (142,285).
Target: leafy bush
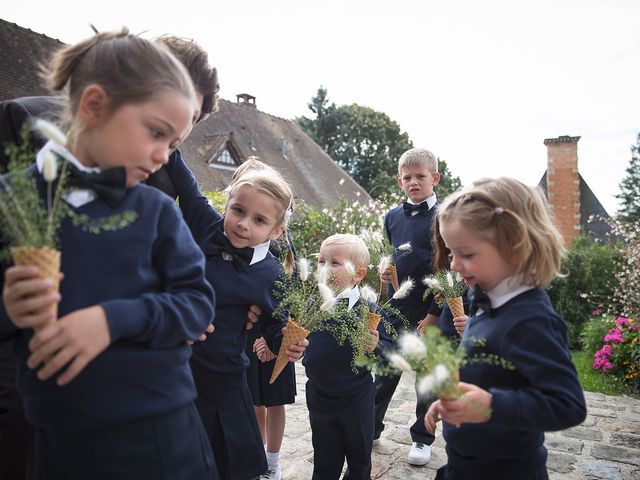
(595,329)
(590,283)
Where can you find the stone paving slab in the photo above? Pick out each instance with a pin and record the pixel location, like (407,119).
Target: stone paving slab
(605,447)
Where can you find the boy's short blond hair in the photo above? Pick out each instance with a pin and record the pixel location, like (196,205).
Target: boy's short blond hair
(418,157)
(358,251)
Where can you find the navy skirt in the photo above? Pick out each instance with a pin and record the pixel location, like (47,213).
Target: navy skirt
(170,446)
(281,392)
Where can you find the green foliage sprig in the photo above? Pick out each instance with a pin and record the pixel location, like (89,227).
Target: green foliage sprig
(445,283)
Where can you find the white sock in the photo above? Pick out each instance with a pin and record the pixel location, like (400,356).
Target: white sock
(273,460)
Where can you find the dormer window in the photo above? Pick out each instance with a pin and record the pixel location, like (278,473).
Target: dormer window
(227,156)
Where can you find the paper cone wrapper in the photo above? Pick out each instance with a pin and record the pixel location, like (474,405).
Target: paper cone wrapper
(47,261)
(456,306)
(374,320)
(293,334)
(393,277)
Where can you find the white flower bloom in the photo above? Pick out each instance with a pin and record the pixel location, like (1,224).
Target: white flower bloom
(303,267)
(411,345)
(367,294)
(384,263)
(449,279)
(458,277)
(400,363)
(404,290)
(50,131)
(328,304)
(426,385)
(441,374)
(49,167)
(405,247)
(325,292)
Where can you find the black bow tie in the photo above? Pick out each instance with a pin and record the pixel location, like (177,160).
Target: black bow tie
(409,208)
(479,299)
(220,244)
(109,185)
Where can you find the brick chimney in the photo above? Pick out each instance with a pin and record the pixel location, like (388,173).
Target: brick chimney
(563,184)
(246,99)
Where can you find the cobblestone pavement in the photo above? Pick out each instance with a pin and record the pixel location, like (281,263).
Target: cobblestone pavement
(605,446)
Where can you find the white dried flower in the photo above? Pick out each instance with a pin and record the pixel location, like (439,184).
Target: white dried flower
(400,363)
(404,289)
(426,385)
(328,304)
(49,167)
(344,293)
(384,263)
(303,268)
(431,282)
(350,268)
(411,345)
(441,374)
(449,279)
(325,292)
(458,277)
(367,294)
(323,274)
(405,247)
(50,131)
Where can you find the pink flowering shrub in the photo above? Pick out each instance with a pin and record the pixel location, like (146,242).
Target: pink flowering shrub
(620,354)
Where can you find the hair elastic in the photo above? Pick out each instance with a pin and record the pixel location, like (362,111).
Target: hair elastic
(498,210)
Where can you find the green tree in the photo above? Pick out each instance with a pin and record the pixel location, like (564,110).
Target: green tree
(630,188)
(363,141)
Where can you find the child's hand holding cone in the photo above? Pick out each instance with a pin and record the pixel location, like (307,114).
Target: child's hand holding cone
(30,300)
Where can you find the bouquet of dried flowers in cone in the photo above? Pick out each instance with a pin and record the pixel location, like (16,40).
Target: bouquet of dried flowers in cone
(384,254)
(30,224)
(449,286)
(312,306)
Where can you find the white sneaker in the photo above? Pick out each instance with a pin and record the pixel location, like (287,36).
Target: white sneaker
(271,474)
(420,454)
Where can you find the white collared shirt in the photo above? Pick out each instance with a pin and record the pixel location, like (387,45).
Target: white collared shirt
(507,289)
(353,294)
(260,252)
(77,197)
(431,201)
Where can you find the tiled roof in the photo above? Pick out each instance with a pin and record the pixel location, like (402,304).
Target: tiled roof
(314,175)
(21,56)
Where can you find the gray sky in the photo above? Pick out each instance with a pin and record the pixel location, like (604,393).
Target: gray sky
(480,83)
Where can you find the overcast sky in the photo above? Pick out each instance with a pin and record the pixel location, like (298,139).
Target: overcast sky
(480,83)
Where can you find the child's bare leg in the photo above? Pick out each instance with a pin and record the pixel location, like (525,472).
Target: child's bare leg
(275,428)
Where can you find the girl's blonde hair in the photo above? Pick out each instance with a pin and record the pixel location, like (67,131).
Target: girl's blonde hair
(269,182)
(515,219)
(129,68)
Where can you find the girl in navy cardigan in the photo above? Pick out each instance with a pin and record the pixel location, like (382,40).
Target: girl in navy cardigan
(242,272)
(108,386)
(503,242)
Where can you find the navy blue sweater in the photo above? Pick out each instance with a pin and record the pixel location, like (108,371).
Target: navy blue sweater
(541,394)
(219,363)
(329,364)
(418,230)
(149,278)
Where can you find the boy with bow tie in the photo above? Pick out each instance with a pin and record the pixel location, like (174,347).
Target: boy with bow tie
(412,222)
